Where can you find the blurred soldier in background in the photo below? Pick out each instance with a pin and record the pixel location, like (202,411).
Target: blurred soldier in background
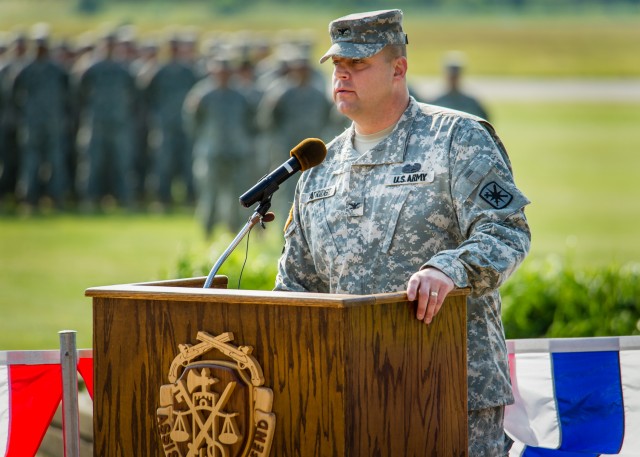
(10,152)
(245,77)
(171,147)
(4,61)
(245,81)
(454,98)
(146,65)
(41,93)
(128,52)
(63,54)
(261,52)
(291,110)
(116,86)
(107,97)
(222,123)
(143,68)
(189,48)
(3,49)
(84,57)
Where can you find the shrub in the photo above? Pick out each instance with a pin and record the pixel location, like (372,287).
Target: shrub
(252,265)
(553,298)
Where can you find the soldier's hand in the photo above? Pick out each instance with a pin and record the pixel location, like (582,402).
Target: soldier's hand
(430,287)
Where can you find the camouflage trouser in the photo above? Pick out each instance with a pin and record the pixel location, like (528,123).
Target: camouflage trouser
(486,433)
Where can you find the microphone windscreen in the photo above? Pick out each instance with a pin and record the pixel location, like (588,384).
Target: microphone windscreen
(309,152)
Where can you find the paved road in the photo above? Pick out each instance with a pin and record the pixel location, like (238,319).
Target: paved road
(504,89)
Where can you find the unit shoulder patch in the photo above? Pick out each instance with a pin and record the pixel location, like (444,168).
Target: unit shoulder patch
(496,195)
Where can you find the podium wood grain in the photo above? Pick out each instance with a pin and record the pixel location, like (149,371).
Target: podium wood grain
(351,375)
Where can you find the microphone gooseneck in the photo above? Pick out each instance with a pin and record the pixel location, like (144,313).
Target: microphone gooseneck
(308,154)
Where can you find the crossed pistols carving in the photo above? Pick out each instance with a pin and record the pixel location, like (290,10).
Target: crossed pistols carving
(240,354)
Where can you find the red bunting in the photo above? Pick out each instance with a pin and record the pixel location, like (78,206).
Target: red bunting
(85,367)
(35,392)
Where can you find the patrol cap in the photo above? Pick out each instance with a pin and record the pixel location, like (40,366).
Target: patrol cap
(220,63)
(40,32)
(454,61)
(365,34)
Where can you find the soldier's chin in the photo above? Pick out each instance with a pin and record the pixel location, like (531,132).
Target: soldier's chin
(344,107)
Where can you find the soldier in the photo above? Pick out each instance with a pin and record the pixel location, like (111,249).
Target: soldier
(222,123)
(189,47)
(3,49)
(453,97)
(41,92)
(245,77)
(129,53)
(64,55)
(10,152)
(414,197)
(84,56)
(143,68)
(292,110)
(107,97)
(171,147)
(4,61)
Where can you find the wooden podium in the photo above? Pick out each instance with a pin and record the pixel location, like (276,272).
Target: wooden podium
(351,375)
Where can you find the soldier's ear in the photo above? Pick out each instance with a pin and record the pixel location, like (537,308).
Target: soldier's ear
(400,67)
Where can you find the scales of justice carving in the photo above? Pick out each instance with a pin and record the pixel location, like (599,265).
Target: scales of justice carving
(215,408)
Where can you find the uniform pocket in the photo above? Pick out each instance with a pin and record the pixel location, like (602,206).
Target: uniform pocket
(393,216)
(315,216)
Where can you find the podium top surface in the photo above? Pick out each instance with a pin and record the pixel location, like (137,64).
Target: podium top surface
(191,289)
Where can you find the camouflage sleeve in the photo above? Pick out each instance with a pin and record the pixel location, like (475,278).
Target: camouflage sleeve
(490,211)
(296,270)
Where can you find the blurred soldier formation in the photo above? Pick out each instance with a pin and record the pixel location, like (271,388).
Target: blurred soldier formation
(114,120)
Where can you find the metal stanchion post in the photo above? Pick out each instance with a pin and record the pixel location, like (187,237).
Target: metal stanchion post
(70,410)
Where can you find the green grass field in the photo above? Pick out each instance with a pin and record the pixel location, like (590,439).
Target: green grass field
(578,164)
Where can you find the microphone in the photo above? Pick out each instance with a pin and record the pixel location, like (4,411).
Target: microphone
(307,154)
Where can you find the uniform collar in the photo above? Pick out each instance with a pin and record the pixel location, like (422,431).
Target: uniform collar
(391,149)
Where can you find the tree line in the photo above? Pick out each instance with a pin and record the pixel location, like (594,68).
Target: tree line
(231,6)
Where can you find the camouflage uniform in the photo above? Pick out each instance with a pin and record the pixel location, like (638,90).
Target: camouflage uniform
(437,192)
(292,110)
(221,120)
(41,92)
(486,433)
(10,150)
(165,95)
(108,98)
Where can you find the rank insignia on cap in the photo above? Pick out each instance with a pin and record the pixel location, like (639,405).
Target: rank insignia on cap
(495,195)
(362,35)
